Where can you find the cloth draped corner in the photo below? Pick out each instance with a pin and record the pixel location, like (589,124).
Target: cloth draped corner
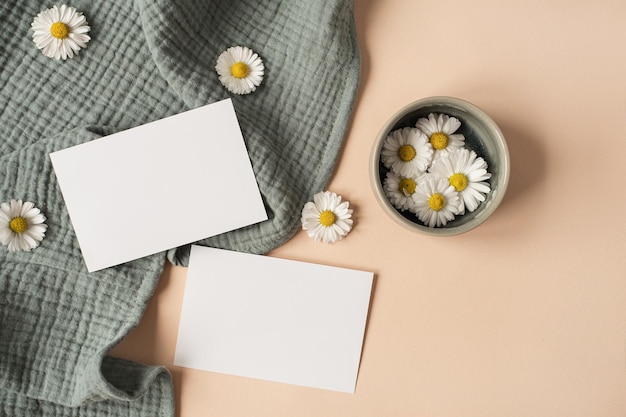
(148,59)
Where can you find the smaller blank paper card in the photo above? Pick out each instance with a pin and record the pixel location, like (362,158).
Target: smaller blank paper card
(273,319)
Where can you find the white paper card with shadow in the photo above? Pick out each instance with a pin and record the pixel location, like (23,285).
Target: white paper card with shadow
(273,319)
(158,186)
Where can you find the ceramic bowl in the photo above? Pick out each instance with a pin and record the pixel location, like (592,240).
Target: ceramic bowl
(482,135)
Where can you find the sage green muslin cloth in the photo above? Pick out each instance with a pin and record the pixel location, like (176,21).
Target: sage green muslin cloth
(148,59)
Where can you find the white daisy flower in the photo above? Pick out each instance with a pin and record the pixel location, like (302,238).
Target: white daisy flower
(60,32)
(467,173)
(400,190)
(327,218)
(436,201)
(407,152)
(240,69)
(440,128)
(22,225)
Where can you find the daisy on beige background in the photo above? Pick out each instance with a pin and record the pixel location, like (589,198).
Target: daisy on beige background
(327,218)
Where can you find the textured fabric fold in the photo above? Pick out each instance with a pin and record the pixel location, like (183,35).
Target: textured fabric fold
(146,391)
(147,60)
(295,121)
(58,321)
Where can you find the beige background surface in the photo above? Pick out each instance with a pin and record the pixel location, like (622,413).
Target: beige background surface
(523,316)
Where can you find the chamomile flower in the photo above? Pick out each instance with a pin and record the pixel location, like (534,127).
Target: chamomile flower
(60,32)
(407,152)
(327,218)
(22,225)
(400,190)
(440,128)
(436,201)
(240,69)
(467,173)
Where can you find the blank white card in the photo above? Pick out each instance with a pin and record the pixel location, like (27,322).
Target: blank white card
(273,319)
(158,186)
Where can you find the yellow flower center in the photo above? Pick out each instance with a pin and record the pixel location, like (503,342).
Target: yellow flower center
(407,186)
(327,218)
(458,181)
(406,153)
(439,140)
(239,70)
(59,30)
(18,225)
(436,202)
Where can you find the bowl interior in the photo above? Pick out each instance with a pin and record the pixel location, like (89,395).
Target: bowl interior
(482,136)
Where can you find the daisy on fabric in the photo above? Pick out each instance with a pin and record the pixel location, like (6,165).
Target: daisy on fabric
(440,128)
(400,190)
(240,69)
(436,201)
(327,218)
(407,152)
(60,32)
(22,225)
(467,173)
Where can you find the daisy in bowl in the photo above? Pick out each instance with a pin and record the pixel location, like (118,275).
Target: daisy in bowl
(22,225)
(400,190)
(440,130)
(407,152)
(60,32)
(327,218)
(467,173)
(240,69)
(436,201)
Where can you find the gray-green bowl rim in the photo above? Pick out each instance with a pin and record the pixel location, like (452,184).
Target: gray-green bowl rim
(503,179)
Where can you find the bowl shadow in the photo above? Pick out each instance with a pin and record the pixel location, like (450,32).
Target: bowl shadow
(528,163)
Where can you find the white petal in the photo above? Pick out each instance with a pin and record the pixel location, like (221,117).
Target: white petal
(450,125)
(5,235)
(16,208)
